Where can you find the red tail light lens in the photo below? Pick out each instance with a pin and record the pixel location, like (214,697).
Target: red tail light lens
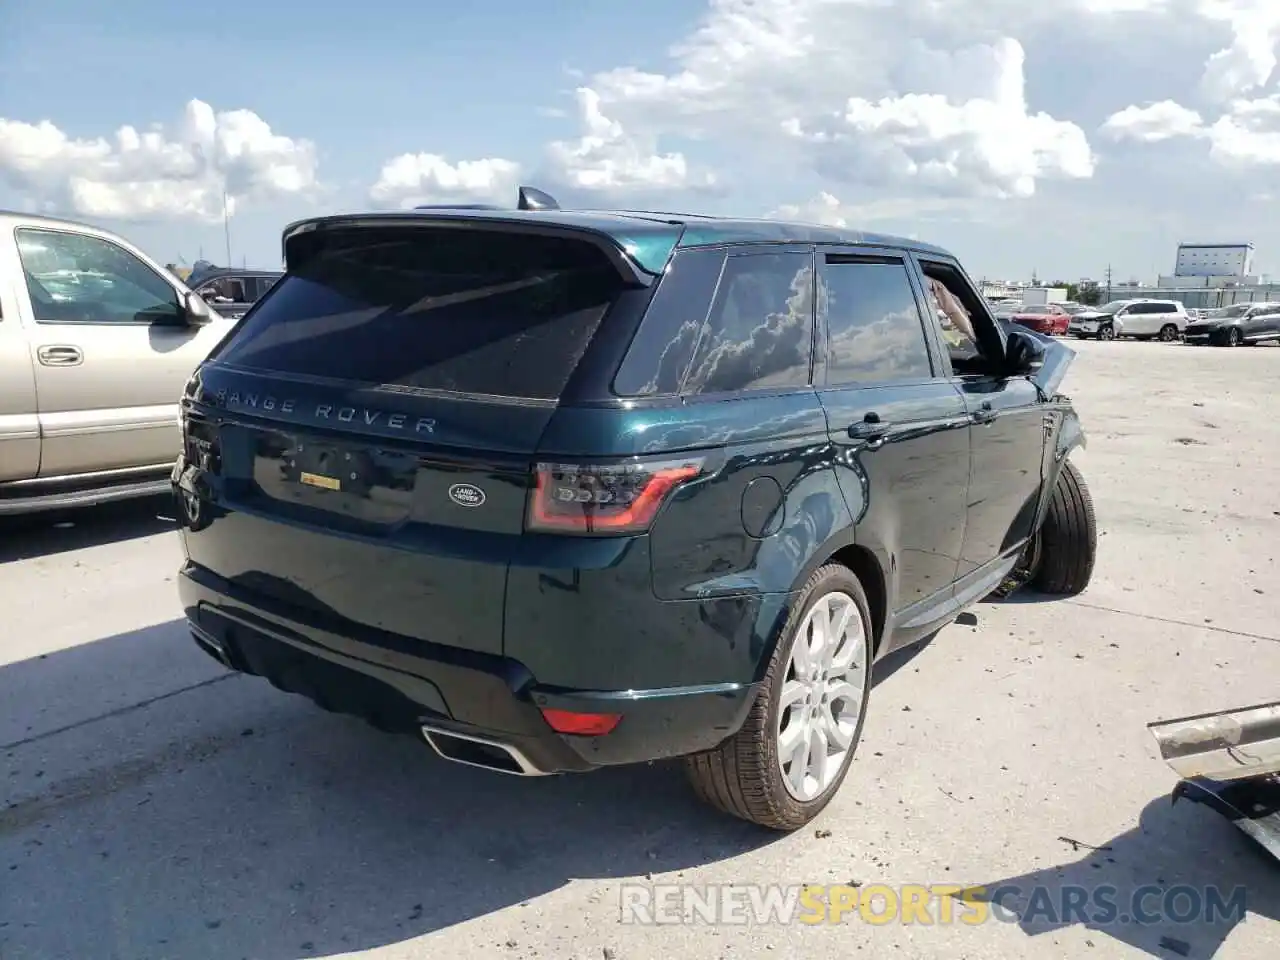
(605,499)
(580,724)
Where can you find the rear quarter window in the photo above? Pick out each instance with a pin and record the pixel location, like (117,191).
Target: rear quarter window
(759,333)
(460,310)
(662,349)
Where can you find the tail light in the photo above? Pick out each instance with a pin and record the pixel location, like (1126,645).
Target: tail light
(605,499)
(580,724)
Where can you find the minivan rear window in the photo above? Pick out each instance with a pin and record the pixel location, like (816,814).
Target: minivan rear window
(462,310)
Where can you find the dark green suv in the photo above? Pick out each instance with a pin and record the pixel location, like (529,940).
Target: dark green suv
(558,490)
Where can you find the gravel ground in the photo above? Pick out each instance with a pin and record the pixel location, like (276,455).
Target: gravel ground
(156,806)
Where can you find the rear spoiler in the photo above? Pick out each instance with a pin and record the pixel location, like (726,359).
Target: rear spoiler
(639,257)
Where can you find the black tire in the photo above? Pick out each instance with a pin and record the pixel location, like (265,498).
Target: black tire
(1106,332)
(1068,537)
(742,777)
(1168,333)
(1233,337)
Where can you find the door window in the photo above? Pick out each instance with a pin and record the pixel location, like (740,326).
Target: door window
(75,278)
(974,344)
(225,290)
(874,328)
(759,334)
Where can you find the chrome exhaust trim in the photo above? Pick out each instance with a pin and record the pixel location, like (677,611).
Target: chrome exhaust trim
(482,752)
(212,645)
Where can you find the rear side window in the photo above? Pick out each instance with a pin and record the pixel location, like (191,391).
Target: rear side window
(459,310)
(874,329)
(759,334)
(662,349)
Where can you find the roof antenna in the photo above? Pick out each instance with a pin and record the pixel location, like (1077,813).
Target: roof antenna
(531,198)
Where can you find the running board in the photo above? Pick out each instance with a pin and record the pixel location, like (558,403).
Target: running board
(1224,746)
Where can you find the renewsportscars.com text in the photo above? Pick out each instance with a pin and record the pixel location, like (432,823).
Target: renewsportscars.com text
(928,904)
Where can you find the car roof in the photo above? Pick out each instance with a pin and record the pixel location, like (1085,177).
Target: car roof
(623,226)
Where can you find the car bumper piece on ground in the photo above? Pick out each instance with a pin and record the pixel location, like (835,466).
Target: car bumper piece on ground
(1230,761)
(1253,805)
(471,707)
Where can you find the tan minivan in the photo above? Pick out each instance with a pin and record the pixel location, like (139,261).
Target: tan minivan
(96,343)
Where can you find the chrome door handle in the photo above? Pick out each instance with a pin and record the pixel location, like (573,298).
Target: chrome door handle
(984,414)
(60,356)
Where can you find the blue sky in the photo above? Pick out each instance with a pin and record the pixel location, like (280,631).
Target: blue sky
(991,127)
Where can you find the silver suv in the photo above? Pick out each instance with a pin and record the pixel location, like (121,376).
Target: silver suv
(96,343)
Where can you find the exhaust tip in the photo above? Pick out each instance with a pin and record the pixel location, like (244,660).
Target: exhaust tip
(480,752)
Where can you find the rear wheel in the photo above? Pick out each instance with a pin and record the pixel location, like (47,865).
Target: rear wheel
(794,750)
(1068,539)
(1168,333)
(1106,332)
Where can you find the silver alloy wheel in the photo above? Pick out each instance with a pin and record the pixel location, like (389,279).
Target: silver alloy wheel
(822,696)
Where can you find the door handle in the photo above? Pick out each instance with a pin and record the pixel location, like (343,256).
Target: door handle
(60,356)
(984,414)
(871,429)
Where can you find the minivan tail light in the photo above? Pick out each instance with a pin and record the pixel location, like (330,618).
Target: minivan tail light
(603,499)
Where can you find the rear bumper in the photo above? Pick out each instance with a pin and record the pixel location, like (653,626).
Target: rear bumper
(400,683)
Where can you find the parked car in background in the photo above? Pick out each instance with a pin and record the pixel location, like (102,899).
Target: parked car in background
(1048,318)
(559,490)
(96,342)
(1005,309)
(1240,323)
(233,291)
(1139,317)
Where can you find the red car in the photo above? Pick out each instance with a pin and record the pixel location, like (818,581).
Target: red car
(1046,318)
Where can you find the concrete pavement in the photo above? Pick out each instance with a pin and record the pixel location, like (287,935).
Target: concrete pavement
(154,805)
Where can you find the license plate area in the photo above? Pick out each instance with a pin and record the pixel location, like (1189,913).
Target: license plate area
(365,484)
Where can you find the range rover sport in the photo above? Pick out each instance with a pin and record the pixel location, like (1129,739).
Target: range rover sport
(559,490)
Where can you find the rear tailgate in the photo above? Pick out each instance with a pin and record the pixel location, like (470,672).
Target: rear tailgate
(366,434)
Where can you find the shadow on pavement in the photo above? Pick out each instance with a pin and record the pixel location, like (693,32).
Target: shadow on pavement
(44,534)
(1173,883)
(225,819)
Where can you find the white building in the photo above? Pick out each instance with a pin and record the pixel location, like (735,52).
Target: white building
(1214,260)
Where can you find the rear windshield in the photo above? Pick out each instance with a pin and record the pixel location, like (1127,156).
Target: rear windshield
(462,310)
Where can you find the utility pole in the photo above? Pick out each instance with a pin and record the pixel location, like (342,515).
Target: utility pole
(1108,300)
(226,225)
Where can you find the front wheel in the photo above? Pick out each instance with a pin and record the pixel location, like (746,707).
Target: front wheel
(1168,333)
(1233,337)
(1068,539)
(792,754)
(1107,332)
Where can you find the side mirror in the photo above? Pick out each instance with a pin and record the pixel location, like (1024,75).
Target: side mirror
(1024,352)
(195,311)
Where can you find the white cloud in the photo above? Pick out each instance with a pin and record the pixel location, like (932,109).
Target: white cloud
(412,179)
(988,144)
(845,85)
(608,158)
(826,209)
(1250,61)
(1154,123)
(1246,135)
(156,173)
